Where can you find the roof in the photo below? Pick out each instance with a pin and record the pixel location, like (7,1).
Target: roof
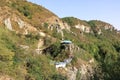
(66,42)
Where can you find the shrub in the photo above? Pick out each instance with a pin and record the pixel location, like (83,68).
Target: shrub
(58,77)
(46,25)
(39,67)
(25,10)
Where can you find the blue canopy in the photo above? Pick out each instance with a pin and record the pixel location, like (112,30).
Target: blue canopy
(66,42)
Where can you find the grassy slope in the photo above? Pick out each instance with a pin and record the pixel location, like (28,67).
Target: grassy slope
(104,48)
(29,12)
(37,14)
(19,63)
(15,62)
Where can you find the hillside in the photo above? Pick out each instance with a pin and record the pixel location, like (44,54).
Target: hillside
(35,44)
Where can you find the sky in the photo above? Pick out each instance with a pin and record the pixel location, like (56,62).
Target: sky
(105,10)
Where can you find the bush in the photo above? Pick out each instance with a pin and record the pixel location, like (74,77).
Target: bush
(47,41)
(46,25)
(25,10)
(70,20)
(58,77)
(53,50)
(32,38)
(6,55)
(39,67)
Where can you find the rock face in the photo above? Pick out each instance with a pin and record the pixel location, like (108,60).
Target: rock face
(40,46)
(7,23)
(72,73)
(24,25)
(52,21)
(69,72)
(5,77)
(42,34)
(110,27)
(15,23)
(24,46)
(98,29)
(40,43)
(83,28)
(86,72)
(8,19)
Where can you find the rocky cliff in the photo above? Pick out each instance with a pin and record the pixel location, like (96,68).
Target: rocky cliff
(35,44)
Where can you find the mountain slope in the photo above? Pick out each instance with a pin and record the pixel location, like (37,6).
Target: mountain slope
(35,44)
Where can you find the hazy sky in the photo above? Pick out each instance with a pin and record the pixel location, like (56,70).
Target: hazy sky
(105,10)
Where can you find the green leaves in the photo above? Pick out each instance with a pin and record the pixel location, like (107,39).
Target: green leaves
(58,77)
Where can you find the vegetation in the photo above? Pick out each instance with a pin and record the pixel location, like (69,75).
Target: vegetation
(25,64)
(59,77)
(104,48)
(74,21)
(22,64)
(46,25)
(57,51)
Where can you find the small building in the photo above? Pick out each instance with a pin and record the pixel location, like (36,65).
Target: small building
(66,42)
(63,64)
(60,65)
